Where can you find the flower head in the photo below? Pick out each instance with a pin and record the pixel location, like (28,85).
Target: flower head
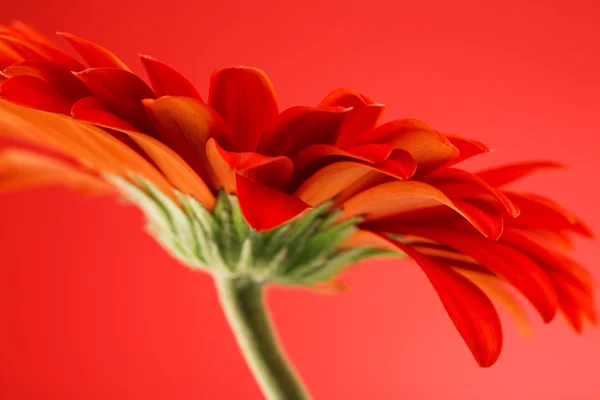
(236,186)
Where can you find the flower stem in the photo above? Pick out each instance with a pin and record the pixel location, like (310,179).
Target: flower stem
(243,304)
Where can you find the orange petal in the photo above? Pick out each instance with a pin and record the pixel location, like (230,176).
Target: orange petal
(35,93)
(27,32)
(429,148)
(89,145)
(37,51)
(371,153)
(94,55)
(346,178)
(93,110)
(166,81)
(185,125)
(518,269)
(300,127)
(398,197)
(54,74)
(178,173)
(265,208)
(538,212)
(575,304)
(467,148)
(22,169)
(245,98)
(460,184)
(345,97)
(503,296)
(549,259)
(471,311)
(123,91)
(505,174)
(273,172)
(363,118)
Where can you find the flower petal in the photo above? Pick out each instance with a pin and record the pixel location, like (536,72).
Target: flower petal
(245,98)
(35,51)
(505,174)
(429,148)
(265,208)
(93,54)
(363,118)
(186,125)
(54,74)
(300,127)
(93,110)
(575,304)
(22,169)
(35,93)
(467,148)
(549,259)
(469,308)
(514,266)
(89,145)
(123,91)
(166,81)
(346,178)
(371,153)
(538,212)
(398,197)
(27,32)
(460,184)
(273,172)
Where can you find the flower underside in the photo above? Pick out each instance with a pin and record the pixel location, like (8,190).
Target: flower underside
(304,251)
(234,185)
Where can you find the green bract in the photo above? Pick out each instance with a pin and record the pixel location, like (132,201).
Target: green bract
(303,251)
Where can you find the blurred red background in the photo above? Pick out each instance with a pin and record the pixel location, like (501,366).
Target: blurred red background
(91,308)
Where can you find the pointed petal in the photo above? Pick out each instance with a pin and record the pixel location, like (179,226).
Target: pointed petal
(460,184)
(429,148)
(166,81)
(346,178)
(345,97)
(94,55)
(503,296)
(538,212)
(549,259)
(123,91)
(30,33)
(34,51)
(393,198)
(265,208)
(23,169)
(245,98)
(33,92)
(300,127)
(371,153)
(54,74)
(265,170)
(514,266)
(363,118)
(89,145)
(186,125)
(93,110)
(575,303)
(505,174)
(467,148)
(469,308)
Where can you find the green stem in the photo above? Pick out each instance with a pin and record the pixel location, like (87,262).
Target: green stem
(243,304)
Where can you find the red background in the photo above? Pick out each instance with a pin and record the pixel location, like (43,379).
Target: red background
(91,308)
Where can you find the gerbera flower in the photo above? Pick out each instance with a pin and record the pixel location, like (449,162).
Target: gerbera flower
(255,195)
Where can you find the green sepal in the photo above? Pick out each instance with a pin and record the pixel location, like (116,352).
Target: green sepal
(304,251)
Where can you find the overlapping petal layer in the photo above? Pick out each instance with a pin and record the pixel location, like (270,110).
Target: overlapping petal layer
(67,122)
